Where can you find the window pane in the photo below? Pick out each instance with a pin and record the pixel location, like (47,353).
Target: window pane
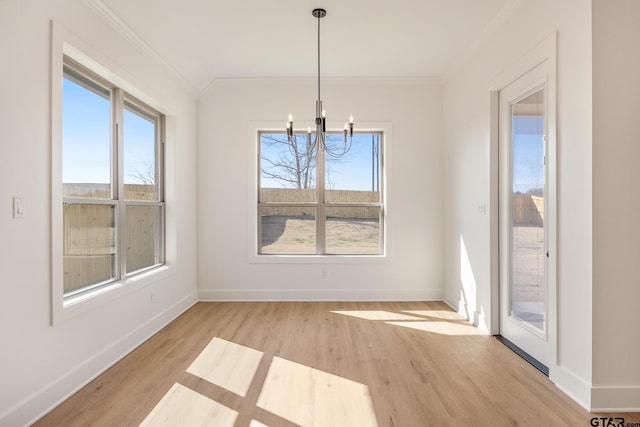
(144,237)
(86,138)
(288,230)
(290,168)
(140,135)
(355,177)
(527,293)
(353,230)
(89,245)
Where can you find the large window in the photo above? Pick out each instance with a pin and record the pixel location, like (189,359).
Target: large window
(112,179)
(312,204)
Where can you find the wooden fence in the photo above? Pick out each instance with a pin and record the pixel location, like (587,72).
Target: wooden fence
(89,244)
(102,191)
(292,195)
(90,236)
(527,210)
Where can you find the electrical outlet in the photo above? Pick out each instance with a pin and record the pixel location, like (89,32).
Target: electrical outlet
(325,273)
(152,296)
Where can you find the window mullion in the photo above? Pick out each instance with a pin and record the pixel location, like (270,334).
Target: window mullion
(118,178)
(320,213)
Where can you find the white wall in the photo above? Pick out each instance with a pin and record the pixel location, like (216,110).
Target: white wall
(467,173)
(414,184)
(616,228)
(41,364)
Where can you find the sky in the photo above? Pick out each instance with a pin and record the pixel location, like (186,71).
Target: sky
(351,172)
(528,152)
(86,151)
(87,147)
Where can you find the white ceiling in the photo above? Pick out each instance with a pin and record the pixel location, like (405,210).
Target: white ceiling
(203,40)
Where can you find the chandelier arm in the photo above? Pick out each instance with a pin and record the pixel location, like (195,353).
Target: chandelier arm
(293,148)
(339,153)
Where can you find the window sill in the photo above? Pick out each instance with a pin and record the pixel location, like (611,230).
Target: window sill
(318,259)
(65,309)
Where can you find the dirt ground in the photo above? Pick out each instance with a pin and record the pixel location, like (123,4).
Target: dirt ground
(296,234)
(528,256)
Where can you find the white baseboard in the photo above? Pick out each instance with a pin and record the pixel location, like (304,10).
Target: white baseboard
(462,309)
(319,295)
(572,385)
(451,302)
(615,399)
(44,400)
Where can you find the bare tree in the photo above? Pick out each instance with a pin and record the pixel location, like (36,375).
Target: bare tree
(146,175)
(291,164)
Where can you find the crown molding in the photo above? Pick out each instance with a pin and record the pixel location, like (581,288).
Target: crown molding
(115,22)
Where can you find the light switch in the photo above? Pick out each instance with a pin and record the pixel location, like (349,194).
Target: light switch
(18,207)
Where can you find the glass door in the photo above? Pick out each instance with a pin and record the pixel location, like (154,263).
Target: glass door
(527,303)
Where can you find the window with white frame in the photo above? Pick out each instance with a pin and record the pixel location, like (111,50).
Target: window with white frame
(310,203)
(112,179)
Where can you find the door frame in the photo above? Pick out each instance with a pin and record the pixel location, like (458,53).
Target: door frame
(546,51)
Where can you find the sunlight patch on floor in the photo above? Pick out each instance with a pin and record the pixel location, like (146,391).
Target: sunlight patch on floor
(228,365)
(440,314)
(309,397)
(376,315)
(298,393)
(182,406)
(442,328)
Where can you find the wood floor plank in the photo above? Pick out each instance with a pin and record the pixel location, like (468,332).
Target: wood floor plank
(418,363)
(182,406)
(228,365)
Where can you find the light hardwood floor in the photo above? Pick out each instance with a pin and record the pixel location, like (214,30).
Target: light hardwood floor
(321,364)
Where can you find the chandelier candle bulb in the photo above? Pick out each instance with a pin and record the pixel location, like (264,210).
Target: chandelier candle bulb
(290,128)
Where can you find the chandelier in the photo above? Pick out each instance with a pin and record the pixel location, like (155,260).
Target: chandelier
(321,121)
